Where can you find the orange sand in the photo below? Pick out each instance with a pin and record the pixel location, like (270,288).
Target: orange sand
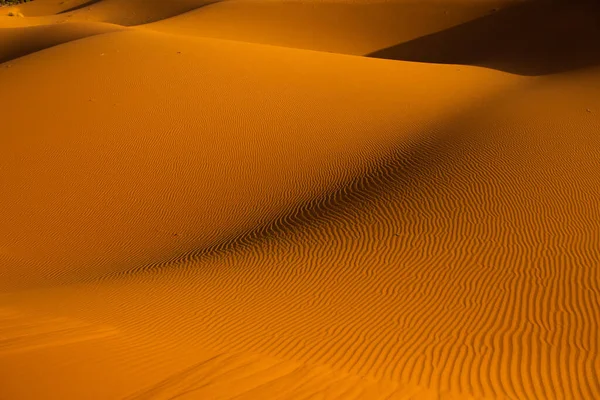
(229,200)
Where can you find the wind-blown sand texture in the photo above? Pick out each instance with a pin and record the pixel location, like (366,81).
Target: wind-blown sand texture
(269,199)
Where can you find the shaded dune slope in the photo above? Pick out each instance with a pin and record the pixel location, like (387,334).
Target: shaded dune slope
(340,27)
(45,8)
(18,42)
(80,6)
(131,12)
(533,38)
(122,12)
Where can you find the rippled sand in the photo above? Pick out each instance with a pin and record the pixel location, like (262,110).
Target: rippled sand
(270,199)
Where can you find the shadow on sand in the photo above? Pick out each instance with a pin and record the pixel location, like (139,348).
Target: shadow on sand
(79,7)
(539,37)
(23,41)
(177,8)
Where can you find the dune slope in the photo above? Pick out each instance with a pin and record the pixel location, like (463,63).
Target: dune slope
(199,134)
(537,37)
(207,218)
(20,41)
(335,26)
(130,12)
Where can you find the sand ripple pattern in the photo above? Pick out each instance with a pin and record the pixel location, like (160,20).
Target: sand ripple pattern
(267,222)
(462,264)
(251,376)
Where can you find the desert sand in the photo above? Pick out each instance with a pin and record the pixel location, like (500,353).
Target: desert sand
(273,199)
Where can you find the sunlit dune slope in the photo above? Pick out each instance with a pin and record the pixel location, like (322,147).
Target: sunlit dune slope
(532,38)
(467,264)
(199,218)
(205,141)
(336,26)
(460,266)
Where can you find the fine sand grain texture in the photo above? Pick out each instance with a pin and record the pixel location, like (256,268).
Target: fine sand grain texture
(258,199)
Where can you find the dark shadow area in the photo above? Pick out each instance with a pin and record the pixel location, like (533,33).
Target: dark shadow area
(147,16)
(19,42)
(538,37)
(79,7)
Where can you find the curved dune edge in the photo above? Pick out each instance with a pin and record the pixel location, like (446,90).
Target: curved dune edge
(343,27)
(494,34)
(203,218)
(126,13)
(21,41)
(532,38)
(39,9)
(120,119)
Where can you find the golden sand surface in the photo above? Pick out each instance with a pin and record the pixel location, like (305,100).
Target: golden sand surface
(273,199)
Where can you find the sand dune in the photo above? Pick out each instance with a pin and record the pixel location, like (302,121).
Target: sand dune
(204,169)
(339,27)
(18,42)
(47,8)
(563,37)
(131,12)
(231,202)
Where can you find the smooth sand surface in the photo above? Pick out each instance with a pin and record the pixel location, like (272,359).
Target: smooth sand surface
(246,200)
